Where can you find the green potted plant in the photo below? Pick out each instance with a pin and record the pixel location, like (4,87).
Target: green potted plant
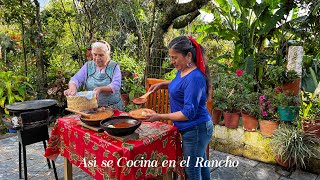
(268,119)
(218,100)
(274,75)
(288,108)
(230,99)
(279,76)
(292,146)
(310,113)
(291,83)
(250,111)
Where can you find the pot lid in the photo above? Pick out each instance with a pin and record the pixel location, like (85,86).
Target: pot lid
(32,105)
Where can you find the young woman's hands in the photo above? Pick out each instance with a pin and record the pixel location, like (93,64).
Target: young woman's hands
(155,87)
(153,117)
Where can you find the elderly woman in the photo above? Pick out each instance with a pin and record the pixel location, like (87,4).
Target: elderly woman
(100,75)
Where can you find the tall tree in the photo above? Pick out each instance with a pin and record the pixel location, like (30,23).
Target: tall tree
(27,15)
(169,13)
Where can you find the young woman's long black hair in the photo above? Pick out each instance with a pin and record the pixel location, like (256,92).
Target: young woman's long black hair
(184,45)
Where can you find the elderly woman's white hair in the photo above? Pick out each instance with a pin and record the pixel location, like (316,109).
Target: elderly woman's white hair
(101,45)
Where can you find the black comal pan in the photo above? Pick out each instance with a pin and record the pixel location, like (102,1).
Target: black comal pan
(120,125)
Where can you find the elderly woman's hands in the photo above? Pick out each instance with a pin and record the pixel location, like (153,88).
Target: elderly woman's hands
(98,90)
(70,92)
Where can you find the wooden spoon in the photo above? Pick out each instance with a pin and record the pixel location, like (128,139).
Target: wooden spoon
(79,112)
(142,99)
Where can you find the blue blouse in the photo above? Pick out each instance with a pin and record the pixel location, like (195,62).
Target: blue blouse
(188,95)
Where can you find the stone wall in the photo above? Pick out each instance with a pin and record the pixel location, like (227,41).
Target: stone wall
(251,145)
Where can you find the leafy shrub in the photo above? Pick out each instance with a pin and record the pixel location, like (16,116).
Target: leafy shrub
(132,74)
(293,145)
(13,88)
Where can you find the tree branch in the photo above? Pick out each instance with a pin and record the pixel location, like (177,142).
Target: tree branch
(189,7)
(187,19)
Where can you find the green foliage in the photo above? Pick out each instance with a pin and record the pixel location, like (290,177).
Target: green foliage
(170,75)
(281,99)
(277,75)
(293,145)
(227,92)
(290,76)
(13,88)
(250,103)
(310,107)
(132,74)
(56,89)
(268,104)
(256,29)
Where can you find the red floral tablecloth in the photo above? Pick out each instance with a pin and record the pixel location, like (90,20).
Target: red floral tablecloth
(92,151)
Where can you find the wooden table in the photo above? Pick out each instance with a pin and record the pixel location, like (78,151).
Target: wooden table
(157,142)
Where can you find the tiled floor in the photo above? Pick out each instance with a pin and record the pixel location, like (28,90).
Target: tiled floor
(38,169)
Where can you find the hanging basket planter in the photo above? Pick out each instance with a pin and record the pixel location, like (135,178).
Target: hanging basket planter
(288,113)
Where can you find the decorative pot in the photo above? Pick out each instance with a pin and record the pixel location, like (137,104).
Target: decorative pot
(216,116)
(312,128)
(268,127)
(282,162)
(250,123)
(292,88)
(231,120)
(125,99)
(288,113)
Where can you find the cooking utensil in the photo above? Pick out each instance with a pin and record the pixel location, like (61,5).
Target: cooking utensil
(111,125)
(96,121)
(31,105)
(141,113)
(142,99)
(79,112)
(97,129)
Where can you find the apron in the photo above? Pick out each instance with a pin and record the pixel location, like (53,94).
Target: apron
(98,79)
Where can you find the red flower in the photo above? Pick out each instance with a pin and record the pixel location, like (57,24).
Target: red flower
(135,75)
(239,72)
(278,89)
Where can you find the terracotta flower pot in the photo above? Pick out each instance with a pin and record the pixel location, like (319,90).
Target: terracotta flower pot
(267,127)
(216,116)
(312,128)
(282,162)
(231,120)
(292,88)
(250,123)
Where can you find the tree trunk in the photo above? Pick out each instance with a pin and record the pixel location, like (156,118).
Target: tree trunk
(41,76)
(23,45)
(169,11)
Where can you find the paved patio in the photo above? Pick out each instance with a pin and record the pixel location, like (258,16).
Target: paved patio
(38,169)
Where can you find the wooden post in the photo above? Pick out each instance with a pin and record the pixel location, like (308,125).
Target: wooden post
(67,169)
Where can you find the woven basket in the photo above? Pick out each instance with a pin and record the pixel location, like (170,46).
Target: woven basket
(81,103)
